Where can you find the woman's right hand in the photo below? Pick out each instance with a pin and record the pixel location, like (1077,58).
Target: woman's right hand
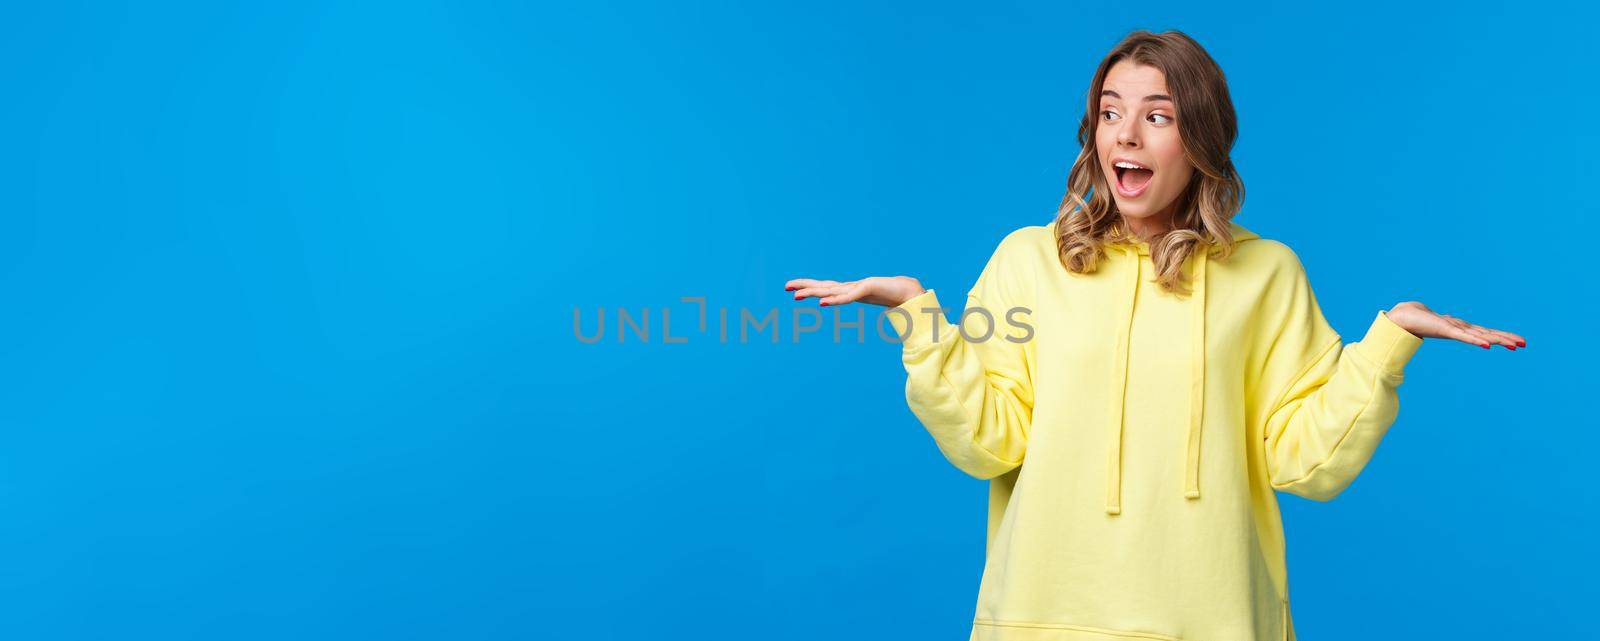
(888,291)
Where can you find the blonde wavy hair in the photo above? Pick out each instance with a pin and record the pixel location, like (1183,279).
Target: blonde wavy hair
(1088,218)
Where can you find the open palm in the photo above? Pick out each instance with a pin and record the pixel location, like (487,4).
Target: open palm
(1422,322)
(888,291)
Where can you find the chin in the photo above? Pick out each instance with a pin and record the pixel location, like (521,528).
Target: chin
(1129,210)
(1140,208)
(1133,210)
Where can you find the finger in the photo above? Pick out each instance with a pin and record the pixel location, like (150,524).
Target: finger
(1476,331)
(845,294)
(1518,339)
(1468,336)
(1515,338)
(1500,337)
(800,283)
(1493,338)
(1491,335)
(813,286)
(1481,333)
(817,290)
(830,295)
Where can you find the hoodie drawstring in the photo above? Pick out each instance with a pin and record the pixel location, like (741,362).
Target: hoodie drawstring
(1197,382)
(1119,374)
(1197,377)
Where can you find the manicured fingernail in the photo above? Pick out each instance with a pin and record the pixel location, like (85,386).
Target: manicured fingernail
(798,297)
(1511,348)
(1484,346)
(1521,344)
(823,304)
(788,289)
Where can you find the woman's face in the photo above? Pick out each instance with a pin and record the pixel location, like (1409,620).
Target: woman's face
(1138,124)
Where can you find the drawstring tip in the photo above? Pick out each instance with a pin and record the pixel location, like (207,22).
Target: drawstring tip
(1112,509)
(1191,494)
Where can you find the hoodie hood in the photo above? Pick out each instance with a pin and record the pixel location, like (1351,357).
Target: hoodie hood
(1132,252)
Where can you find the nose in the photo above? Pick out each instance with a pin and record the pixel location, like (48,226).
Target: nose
(1128,133)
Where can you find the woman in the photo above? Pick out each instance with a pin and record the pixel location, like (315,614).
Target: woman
(1174,371)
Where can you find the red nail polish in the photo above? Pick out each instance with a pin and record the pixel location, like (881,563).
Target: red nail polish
(1484,346)
(798,297)
(1521,344)
(822,304)
(788,289)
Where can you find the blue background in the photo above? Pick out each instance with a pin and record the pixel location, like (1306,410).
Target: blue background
(289,291)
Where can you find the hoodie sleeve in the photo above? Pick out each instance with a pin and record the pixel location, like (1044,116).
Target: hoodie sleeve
(972,392)
(1330,403)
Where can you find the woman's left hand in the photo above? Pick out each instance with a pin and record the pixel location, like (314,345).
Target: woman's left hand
(1422,322)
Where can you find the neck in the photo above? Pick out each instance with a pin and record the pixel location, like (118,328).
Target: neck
(1148,230)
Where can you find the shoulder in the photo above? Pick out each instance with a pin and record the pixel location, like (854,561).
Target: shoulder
(1014,266)
(1277,279)
(1029,236)
(1022,249)
(1027,244)
(1268,257)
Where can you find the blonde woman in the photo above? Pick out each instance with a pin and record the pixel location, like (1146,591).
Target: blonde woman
(1173,373)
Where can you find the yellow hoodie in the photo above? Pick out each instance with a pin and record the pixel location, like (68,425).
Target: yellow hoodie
(1134,441)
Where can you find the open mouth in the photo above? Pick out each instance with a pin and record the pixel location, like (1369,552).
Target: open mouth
(1132,178)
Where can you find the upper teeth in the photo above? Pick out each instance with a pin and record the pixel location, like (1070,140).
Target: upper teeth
(1128,165)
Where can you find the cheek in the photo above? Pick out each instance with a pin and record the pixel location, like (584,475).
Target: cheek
(1101,151)
(1175,163)
(1179,172)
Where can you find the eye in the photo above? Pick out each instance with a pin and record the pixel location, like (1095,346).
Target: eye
(1169,118)
(1104,113)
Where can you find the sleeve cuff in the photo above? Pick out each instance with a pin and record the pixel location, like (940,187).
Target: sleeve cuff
(1389,345)
(915,326)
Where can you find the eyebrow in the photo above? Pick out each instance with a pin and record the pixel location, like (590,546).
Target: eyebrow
(1150,98)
